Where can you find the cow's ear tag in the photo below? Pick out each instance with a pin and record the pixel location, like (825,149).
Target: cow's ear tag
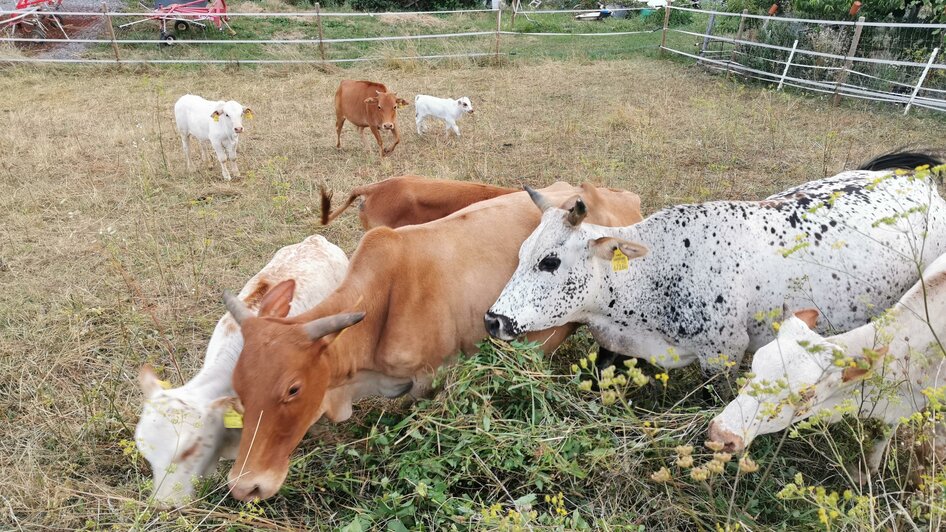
(232,419)
(249,115)
(216,117)
(619,261)
(164,384)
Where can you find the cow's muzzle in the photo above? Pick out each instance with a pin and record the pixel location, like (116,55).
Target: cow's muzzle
(238,130)
(732,442)
(387,127)
(499,326)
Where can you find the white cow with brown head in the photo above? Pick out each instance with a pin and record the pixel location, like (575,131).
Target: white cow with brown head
(181,431)
(882,367)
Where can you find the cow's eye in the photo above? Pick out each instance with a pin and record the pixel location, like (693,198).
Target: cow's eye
(293,391)
(550,263)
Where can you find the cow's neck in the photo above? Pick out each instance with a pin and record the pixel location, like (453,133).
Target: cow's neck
(353,350)
(215,377)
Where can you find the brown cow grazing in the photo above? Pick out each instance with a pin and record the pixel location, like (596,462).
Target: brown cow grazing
(410,200)
(367,105)
(413,297)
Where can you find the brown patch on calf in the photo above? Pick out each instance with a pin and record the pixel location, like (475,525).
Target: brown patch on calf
(257,294)
(189,452)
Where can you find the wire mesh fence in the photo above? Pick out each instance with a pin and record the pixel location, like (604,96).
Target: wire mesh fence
(888,62)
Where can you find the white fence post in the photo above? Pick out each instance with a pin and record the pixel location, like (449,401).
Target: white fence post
(842,75)
(919,84)
(499,24)
(788,65)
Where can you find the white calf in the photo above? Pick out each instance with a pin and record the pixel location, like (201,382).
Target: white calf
(446,109)
(801,373)
(219,122)
(181,431)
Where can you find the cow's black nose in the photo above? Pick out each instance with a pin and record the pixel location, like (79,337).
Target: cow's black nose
(498,326)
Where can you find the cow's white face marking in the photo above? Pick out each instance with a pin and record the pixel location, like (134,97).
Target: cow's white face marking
(794,376)
(230,115)
(557,274)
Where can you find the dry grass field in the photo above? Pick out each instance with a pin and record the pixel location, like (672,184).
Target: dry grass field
(112,255)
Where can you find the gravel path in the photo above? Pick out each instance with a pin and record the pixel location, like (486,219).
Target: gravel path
(76,28)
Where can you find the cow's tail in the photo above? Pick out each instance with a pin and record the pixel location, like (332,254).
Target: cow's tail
(904,159)
(327,214)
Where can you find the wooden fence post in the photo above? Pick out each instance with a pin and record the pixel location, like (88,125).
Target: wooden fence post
(663,38)
(111,31)
(515,9)
(735,48)
(318,20)
(919,84)
(788,64)
(499,22)
(842,75)
(709,31)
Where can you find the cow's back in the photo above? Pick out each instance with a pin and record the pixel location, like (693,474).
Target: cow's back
(350,100)
(466,258)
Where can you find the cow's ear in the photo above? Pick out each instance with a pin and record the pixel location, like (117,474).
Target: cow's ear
(809,316)
(577,210)
(865,364)
(371,100)
(248,113)
(215,116)
(276,302)
(605,246)
(227,402)
(401,102)
(148,381)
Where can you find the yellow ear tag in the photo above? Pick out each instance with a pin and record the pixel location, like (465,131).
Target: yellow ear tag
(249,115)
(165,384)
(232,419)
(216,117)
(619,261)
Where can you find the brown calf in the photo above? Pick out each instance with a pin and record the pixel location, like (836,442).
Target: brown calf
(413,297)
(367,105)
(410,200)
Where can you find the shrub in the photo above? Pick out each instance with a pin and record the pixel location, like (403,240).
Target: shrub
(408,5)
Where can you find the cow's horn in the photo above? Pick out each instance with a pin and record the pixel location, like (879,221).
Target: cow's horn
(539,200)
(330,324)
(237,308)
(577,213)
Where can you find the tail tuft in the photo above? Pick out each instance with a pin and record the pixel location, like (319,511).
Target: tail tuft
(326,203)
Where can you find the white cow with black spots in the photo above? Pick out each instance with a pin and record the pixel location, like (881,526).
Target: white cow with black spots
(801,373)
(694,282)
(181,431)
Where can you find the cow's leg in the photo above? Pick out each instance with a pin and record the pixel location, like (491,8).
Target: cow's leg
(187,151)
(377,137)
(423,386)
(203,153)
(418,120)
(364,141)
(339,122)
(221,157)
(456,130)
(397,140)
(231,155)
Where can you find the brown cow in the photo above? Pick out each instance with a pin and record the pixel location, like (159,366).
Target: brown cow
(410,200)
(421,291)
(367,105)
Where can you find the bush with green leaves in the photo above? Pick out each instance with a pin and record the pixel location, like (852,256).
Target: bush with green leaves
(376,6)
